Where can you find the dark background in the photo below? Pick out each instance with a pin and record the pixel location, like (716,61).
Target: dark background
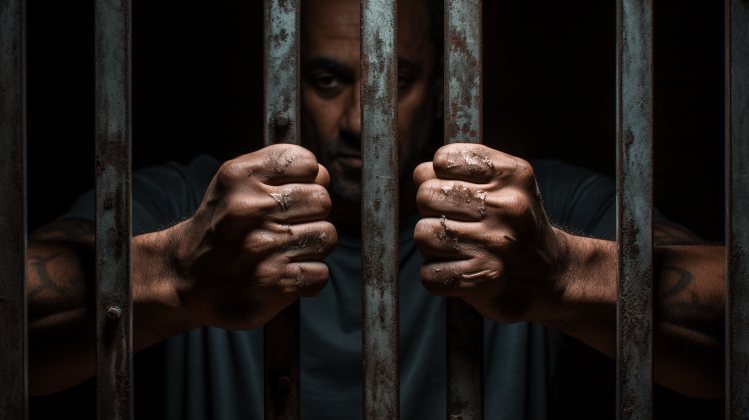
(549,73)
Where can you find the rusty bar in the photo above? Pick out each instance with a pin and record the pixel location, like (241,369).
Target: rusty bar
(634,209)
(281,71)
(464,124)
(282,377)
(13,305)
(737,209)
(114,344)
(379,139)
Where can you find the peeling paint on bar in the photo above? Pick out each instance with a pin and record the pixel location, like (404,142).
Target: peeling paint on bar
(463,72)
(282,364)
(13,306)
(464,124)
(114,349)
(281,71)
(737,206)
(634,209)
(379,138)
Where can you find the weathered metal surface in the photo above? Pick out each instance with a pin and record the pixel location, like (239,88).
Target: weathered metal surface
(282,369)
(13,306)
(281,71)
(379,139)
(464,124)
(465,361)
(282,365)
(634,209)
(114,349)
(463,72)
(737,206)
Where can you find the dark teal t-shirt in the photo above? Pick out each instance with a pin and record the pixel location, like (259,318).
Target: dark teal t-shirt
(217,374)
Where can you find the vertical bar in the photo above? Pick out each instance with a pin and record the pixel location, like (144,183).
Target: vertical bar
(114,349)
(464,124)
(737,209)
(379,139)
(13,305)
(282,377)
(634,209)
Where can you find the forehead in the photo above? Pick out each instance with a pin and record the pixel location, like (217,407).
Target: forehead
(332,28)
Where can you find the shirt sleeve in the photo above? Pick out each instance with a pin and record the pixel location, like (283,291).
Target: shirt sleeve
(578,199)
(162,194)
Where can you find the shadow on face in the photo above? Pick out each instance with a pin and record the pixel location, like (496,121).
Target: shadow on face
(331,110)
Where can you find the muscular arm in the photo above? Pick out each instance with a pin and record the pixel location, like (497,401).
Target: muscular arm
(61,288)
(486,238)
(688,301)
(242,257)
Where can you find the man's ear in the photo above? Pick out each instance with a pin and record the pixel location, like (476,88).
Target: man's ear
(439,89)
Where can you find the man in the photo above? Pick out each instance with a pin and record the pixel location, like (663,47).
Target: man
(473,225)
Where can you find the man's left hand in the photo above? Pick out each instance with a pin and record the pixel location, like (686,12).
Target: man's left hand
(485,235)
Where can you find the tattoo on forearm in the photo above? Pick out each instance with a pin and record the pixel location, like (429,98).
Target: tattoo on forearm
(685,279)
(46,283)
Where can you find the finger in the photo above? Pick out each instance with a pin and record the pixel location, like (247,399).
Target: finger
(297,203)
(304,279)
(298,242)
(423,173)
(444,238)
(474,163)
(323,177)
(282,164)
(456,278)
(453,199)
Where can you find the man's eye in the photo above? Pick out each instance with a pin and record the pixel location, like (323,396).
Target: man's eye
(403,82)
(326,82)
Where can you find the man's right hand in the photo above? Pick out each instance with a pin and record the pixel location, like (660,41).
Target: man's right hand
(256,242)
(252,248)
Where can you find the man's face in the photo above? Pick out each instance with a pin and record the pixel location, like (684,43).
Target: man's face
(330,89)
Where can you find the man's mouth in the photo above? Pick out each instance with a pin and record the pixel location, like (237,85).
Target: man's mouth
(350,160)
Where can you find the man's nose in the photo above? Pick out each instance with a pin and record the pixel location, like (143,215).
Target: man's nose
(351,122)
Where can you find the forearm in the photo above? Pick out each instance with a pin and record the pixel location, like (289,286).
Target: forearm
(61,309)
(688,310)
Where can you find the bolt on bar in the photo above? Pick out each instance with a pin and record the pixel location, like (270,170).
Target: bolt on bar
(379,139)
(13,306)
(634,209)
(282,377)
(114,348)
(464,124)
(737,209)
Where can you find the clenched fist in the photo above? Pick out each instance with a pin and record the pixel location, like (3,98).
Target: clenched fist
(256,242)
(485,235)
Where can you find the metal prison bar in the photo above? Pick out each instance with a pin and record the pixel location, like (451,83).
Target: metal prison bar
(463,123)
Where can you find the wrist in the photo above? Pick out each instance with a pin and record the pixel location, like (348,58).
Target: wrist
(584,280)
(159,311)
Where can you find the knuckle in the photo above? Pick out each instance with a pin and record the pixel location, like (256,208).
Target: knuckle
(515,204)
(524,173)
(423,232)
(231,171)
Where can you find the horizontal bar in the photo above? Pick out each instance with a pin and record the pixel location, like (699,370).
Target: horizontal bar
(13,283)
(464,124)
(282,364)
(635,209)
(737,207)
(114,345)
(379,140)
